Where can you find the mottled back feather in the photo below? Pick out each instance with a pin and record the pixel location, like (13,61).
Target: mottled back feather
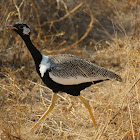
(66,66)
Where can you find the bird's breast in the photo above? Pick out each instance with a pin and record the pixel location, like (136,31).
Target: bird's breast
(44,65)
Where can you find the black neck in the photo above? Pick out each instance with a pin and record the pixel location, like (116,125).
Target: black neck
(37,56)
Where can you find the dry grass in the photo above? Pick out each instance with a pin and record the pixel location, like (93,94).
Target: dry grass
(23,97)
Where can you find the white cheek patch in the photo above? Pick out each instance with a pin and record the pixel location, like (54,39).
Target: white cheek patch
(26,31)
(44,65)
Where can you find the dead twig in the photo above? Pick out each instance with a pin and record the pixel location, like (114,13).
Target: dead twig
(63,50)
(89,28)
(62,18)
(18,8)
(38,20)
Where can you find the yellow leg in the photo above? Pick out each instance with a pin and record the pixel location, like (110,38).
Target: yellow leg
(54,98)
(86,103)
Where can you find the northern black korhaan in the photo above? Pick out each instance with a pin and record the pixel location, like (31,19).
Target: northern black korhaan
(63,72)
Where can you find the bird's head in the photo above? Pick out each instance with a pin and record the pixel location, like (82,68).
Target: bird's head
(21,28)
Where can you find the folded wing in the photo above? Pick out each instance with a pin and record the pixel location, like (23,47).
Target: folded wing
(74,70)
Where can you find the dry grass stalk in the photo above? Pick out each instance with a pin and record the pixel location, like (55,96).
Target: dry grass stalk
(116,105)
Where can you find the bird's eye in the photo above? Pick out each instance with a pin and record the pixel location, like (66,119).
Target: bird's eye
(21,26)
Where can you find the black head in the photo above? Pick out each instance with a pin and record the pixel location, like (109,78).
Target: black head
(21,28)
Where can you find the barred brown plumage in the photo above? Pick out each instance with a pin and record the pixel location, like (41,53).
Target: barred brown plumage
(64,72)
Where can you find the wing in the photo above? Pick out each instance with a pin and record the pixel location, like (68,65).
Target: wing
(71,70)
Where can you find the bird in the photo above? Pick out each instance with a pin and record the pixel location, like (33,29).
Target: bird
(63,72)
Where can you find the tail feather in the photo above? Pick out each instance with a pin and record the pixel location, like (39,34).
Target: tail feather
(109,74)
(118,78)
